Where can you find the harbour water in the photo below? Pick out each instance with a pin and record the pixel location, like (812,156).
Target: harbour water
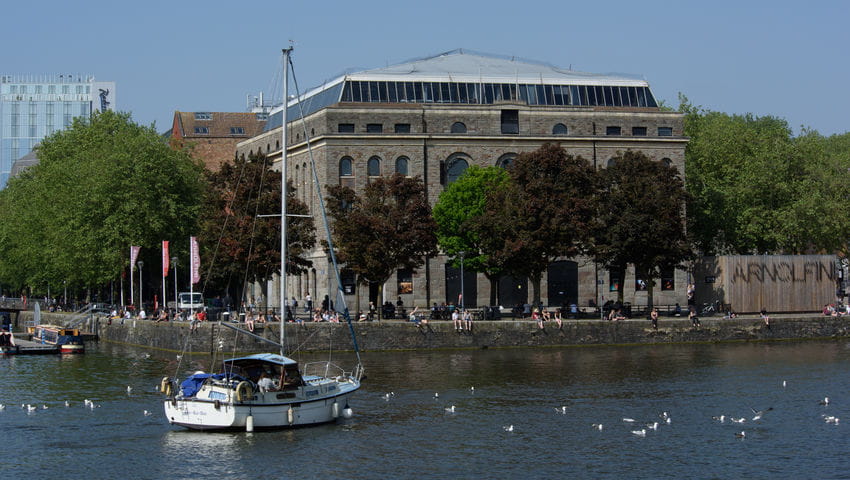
(402,430)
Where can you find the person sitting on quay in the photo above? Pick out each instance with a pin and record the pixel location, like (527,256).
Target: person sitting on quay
(249,321)
(653,317)
(467,320)
(163,316)
(559,318)
(692,316)
(457,321)
(193,322)
(765,317)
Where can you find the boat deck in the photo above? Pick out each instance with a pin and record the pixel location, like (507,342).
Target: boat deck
(28,347)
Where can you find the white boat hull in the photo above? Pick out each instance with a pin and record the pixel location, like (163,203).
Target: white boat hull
(267,410)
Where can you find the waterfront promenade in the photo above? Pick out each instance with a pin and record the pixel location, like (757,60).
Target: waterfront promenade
(402,335)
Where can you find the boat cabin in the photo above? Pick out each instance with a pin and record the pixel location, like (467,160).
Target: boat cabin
(281,370)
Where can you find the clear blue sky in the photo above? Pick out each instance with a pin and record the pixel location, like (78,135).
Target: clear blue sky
(781,58)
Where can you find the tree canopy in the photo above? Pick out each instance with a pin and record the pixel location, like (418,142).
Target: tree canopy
(386,228)
(102,185)
(238,245)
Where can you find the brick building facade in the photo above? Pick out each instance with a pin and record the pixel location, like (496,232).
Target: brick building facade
(480,110)
(212,136)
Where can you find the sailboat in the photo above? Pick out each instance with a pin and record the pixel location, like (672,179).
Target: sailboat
(267,390)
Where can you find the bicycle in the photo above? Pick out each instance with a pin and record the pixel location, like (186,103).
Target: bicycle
(709,309)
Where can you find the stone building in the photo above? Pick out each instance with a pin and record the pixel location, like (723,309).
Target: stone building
(434,117)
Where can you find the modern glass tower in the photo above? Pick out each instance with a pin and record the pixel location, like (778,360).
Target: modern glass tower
(35,106)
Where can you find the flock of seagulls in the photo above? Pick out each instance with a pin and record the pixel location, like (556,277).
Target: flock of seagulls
(653,426)
(87,403)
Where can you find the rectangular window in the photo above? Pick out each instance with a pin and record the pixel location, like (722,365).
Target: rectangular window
(237,130)
(202,130)
(345,128)
(665,131)
(613,282)
(402,128)
(374,128)
(613,131)
(639,131)
(668,280)
(348,279)
(510,121)
(51,89)
(405,281)
(203,116)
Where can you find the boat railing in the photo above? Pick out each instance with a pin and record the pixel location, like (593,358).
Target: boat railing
(323,369)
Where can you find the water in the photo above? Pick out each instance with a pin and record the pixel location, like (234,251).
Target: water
(411,434)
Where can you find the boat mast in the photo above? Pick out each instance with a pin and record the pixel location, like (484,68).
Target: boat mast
(283,194)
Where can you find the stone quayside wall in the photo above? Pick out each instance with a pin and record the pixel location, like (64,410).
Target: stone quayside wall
(398,335)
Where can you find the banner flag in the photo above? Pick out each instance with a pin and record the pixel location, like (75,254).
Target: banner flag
(134,254)
(165,258)
(196,259)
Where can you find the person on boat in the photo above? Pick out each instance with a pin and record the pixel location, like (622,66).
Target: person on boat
(265,383)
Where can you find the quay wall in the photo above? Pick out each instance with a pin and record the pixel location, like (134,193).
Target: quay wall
(400,335)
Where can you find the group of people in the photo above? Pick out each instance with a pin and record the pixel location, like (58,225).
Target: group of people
(542,315)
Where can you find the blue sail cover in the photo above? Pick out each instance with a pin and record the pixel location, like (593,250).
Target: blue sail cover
(191,385)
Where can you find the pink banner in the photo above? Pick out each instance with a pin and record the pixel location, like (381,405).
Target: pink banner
(196,259)
(165,258)
(134,254)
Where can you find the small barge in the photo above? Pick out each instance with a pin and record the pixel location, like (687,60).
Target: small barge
(68,340)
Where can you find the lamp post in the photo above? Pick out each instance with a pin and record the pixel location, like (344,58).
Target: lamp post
(65,300)
(174,262)
(461,254)
(141,297)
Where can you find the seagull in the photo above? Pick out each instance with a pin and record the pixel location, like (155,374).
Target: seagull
(147,355)
(720,418)
(2,407)
(67,404)
(759,413)
(628,420)
(783,384)
(44,407)
(86,402)
(652,426)
(129,389)
(738,420)
(640,433)
(597,426)
(436,394)
(450,409)
(741,435)
(30,408)
(825,401)
(562,410)
(147,413)
(664,416)
(508,428)
(387,397)
(472,389)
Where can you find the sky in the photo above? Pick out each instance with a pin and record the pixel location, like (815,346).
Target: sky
(780,58)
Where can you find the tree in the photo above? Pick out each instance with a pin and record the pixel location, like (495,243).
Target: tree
(459,214)
(640,219)
(545,212)
(386,228)
(239,246)
(102,185)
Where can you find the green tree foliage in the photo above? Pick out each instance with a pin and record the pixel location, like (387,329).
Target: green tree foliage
(386,228)
(238,245)
(544,213)
(102,185)
(757,189)
(640,218)
(459,213)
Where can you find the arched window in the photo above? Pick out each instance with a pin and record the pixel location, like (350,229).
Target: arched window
(611,162)
(345,167)
(559,129)
(506,160)
(667,162)
(458,127)
(373,167)
(455,166)
(277,145)
(401,165)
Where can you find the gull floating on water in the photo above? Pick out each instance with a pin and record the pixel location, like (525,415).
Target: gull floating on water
(436,394)
(640,433)
(67,403)
(562,410)
(387,397)
(597,426)
(31,408)
(652,426)
(783,384)
(738,420)
(720,418)
(472,389)
(759,413)
(508,428)
(129,389)
(450,409)
(628,420)
(2,407)
(147,413)
(741,435)
(44,407)
(825,401)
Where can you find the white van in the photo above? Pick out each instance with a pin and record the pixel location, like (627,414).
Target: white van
(190,301)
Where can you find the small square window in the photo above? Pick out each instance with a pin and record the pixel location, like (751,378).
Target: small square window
(402,128)
(374,128)
(202,130)
(613,131)
(665,131)
(345,128)
(639,131)
(203,116)
(237,131)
